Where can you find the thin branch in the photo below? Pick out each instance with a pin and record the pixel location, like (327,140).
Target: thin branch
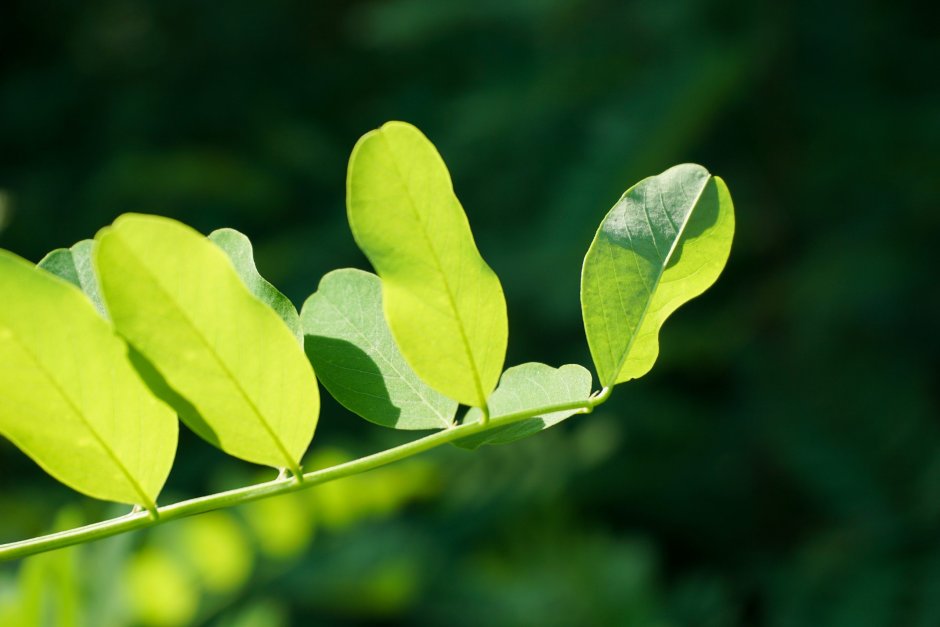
(282,485)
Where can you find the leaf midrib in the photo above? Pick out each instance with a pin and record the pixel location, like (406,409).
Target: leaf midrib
(437,263)
(290,463)
(148,503)
(659,275)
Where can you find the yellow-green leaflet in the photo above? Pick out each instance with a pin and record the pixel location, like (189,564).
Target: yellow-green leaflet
(69,396)
(444,305)
(664,243)
(177,299)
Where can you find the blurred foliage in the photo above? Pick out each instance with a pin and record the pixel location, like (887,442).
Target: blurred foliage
(781,464)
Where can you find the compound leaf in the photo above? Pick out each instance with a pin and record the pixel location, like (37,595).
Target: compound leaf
(664,242)
(75,266)
(357,360)
(69,396)
(527,387)
(239,250)
(177,299)
(444,305)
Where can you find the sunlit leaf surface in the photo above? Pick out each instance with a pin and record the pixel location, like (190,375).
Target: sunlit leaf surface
(444,304)
(664,243)
(177,299)
(69,396)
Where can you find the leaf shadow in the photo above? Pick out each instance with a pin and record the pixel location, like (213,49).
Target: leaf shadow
(703,218)
(352,378)
(186,411)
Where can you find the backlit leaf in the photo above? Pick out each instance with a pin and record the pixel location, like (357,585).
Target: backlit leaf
(177,299)
(357,360)
(444,305)
(525,387)
(664,243)
(69,396)
(239,250)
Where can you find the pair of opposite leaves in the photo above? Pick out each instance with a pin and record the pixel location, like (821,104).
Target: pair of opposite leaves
(200,329)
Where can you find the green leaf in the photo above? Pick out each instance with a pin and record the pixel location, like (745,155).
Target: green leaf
(75,266)
(69,397)
(177,299)
(444,305)
(664,243)
(238,248)
(356,359)
(526,387)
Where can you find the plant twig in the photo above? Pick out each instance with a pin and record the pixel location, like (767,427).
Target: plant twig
(282,485)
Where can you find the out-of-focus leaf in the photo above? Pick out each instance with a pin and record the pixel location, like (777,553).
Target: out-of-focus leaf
(525,387)
(177,299)
(282,526)
(69,396)
(161,592)
(48,585)
(265,613)
(664,243)
(444,304)
(75,266)
(357,360)
(343,503)
(238,248)
(217,549)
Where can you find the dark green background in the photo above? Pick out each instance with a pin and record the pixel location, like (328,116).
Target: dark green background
(780,465)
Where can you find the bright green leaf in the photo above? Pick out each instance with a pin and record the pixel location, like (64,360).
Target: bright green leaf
(69,397)
(357,360)
(177,299)
(526,387)
(238,248)
(444,305)
(75,266)
(664,243)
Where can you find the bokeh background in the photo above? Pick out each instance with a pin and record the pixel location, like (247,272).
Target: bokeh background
(781,464)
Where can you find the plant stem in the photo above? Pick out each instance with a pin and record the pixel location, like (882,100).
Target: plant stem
(282,485)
